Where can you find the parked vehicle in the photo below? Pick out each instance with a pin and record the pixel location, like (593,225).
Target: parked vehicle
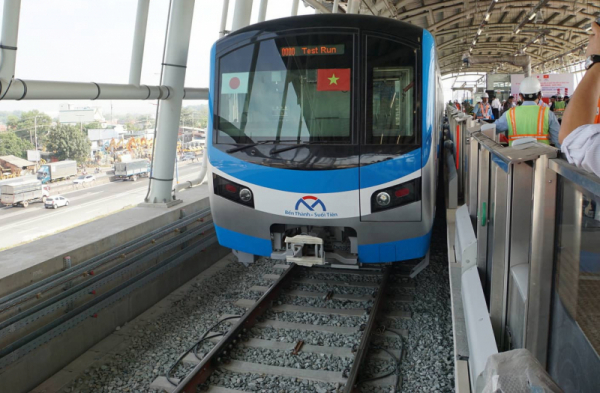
(131,170)
(55,202)
(188,156)
(22,194)
(84,179)
(57,171)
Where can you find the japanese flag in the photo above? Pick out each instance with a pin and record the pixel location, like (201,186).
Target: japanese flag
(235,83)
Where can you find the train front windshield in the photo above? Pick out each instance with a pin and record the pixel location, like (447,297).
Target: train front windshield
(300,89)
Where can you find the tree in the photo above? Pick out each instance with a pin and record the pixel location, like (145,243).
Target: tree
(11,144)
(29,124)
(69,143)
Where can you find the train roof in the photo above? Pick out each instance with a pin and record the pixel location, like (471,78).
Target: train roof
(362,22)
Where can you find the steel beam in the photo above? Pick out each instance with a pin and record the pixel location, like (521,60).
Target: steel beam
(353,6)
(262,10)
(241,14)
(139,38)
(169,111)
(8,43)
(222,30)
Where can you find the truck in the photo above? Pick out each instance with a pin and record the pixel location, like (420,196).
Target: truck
(131,170)
(57,171)
(24,193)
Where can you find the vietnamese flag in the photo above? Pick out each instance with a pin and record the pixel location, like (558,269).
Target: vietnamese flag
(333,79)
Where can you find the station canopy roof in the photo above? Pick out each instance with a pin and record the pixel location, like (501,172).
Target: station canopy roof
(553,33)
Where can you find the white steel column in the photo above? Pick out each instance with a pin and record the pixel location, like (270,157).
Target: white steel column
(262,10)
(139,38)
(174,64)
(241,6)
(295,7)
(335,6)
(224,18)
(241,14)
(353,6)
(8,43)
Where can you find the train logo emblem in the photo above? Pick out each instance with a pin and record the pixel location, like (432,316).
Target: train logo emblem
(311,207)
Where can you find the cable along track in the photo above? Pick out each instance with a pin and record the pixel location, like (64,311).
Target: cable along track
(366,315)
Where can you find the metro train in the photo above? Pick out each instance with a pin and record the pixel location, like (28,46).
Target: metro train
(325,131)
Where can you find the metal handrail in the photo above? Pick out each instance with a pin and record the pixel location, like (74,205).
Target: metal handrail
(588,181)
(513,155)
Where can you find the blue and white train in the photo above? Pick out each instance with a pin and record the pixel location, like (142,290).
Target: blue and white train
(326,126)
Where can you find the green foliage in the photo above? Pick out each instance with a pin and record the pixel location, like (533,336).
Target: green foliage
(11,144)
(25,126)
(194,116)
(69,143)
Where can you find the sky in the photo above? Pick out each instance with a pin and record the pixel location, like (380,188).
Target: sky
(91,40)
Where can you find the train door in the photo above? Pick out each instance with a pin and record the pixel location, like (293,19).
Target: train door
(390,154)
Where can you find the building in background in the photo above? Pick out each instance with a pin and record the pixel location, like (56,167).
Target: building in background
(71,114)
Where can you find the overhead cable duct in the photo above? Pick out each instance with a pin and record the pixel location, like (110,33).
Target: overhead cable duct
(519,61)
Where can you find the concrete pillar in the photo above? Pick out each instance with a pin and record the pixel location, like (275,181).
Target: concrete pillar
(353,6)
(262,11)
(169,113)
(335,6)
(10,33)
(139,38)
(295,7)
(241,14)
(224,18)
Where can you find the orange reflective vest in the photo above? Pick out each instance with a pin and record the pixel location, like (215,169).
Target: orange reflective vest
(597,119)
(484,111)
(527,124)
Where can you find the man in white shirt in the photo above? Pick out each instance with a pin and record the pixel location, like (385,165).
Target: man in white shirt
(580,138)
(496,107)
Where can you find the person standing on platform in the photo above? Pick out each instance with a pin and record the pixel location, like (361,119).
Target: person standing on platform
(559,105)
(496,107)
(483,110)
(580,138)
(529,119)
(510,103)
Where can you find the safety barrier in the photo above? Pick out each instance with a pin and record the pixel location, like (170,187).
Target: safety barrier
(536,221)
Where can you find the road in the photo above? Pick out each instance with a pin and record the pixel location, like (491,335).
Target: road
(19,225)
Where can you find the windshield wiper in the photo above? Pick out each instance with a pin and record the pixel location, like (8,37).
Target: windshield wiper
(291,147)
(234,149)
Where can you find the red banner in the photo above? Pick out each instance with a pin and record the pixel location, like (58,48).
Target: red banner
(334,79)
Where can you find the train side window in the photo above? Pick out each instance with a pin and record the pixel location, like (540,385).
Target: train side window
(390,69)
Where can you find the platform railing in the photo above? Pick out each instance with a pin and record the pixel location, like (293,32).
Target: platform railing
(510,197)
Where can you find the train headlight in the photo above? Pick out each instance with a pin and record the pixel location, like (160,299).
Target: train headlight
(396,196)
(383,199)
(245,195)
(233,191)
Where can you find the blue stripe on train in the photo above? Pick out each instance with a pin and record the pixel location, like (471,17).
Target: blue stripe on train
(244,243)
(428,109)
(325,181)
(400,250)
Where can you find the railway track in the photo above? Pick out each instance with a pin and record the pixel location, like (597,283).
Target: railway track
(366,315)
(36,314)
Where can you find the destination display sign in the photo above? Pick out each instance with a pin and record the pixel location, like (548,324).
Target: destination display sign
(316,50)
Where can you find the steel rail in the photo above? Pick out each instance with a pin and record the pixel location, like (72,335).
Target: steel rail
(65,276)
(210,362)
(24,345)
(22,319)
(365,342)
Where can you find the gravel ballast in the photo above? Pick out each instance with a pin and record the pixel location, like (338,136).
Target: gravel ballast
(153,345)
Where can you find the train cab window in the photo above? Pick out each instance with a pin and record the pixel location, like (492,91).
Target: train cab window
(390,93)
(293,89)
